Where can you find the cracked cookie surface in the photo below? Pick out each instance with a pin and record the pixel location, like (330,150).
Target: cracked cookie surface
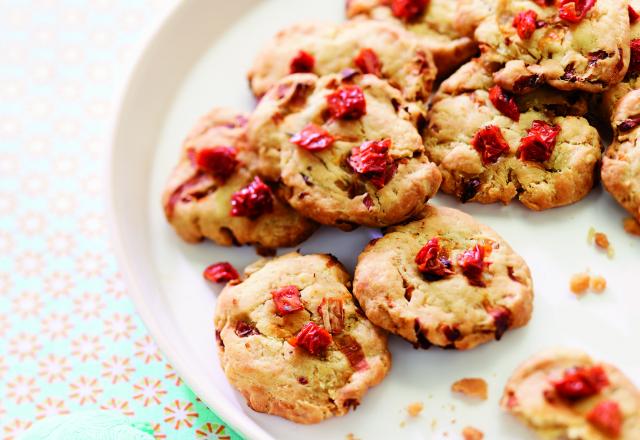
(589,54)
(441,300)
(563,393)
(289,381)
(327,184)
(388,49)
(563,176)
(197,203)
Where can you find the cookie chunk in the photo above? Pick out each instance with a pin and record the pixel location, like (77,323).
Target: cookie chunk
(434,22)
(215,193)
(621,164)
(564,393)
(345,148)
(570,45)
(535,147)
(294,343)
(378,48)
(444,280)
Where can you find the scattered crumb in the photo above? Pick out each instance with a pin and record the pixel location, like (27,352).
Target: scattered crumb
(580,283)
(601,241)
(434,424)
(471,387)
(414,409)
(471,433)
(632,226)
(350,436)
(402,424)
(598,284)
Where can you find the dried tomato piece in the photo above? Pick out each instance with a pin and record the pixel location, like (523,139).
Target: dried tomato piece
(502,320)
(331,311)
(544,3)
(347,102)
(312,338)
(490,143)
(303,62)
(287,300)
(504,103)
(526,22)
(629,124)
(371,159)
(432,262)
(313,138)
(244,329)
(634,64)
(473,264)
(408,9)
(581,382)
(633,15)
(574,11)
(353,351)
(253,200)
(539,143)
(368,62)
(221,273)
(607,418)
(221,162)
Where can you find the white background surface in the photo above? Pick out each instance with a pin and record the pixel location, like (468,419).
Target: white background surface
(198,60)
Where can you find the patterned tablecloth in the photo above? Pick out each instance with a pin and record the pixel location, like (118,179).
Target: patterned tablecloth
(69,336)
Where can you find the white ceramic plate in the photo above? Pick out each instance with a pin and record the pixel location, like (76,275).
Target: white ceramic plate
(197,59)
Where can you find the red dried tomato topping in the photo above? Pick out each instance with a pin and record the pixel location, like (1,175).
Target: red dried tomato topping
(581,382)
(473,265)
(347,103)
(607,418)
(502,320)
(371,159)
(221,162)
(526,22)
(287,300)
(368,62)
(312,338)
(634,65)
(633,15)
(253,200)
(331,311)
(408,9)
(544,3)
(303,62)
(490,143)
(313,138)
(353,351)
(431,261)
(504,103)
(574,11)
(629,124)
(244,329)
(221,273)
(539,143)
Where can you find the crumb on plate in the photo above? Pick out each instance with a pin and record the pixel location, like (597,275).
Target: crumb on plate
(580,283)
(632,226)
(414,409)
(350,436)
(471,433)
(598,284)
(471,387)
(601,241)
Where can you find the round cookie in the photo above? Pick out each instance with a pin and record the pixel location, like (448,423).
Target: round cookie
(434,22)
(563,393)
(306,354)
(621,163)
(345,149)
(584,50)
(369,46)
(444,280)
(198,197)
(535,147)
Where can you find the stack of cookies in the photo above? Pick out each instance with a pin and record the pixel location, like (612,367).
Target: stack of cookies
(349,132)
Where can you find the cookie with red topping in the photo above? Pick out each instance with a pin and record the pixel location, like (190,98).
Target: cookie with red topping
(563,393)
(537,147)
(292,340)
(432,21)
(345,148)
(379,48)
(568,44)
(444,280)
(215,193)
(621,163)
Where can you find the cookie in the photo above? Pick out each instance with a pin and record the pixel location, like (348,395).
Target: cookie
(568,45)
(345,148)
(294,343)
(621,163)
(214,191)
(535,147)
(434,22)
(563,393)
(470,13)
(378,48)
(443,280)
